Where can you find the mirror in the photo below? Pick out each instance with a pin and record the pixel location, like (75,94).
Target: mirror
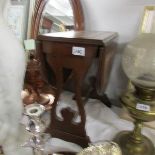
(49,16)
(56,15)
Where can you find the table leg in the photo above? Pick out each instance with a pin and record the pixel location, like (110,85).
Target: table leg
(66,128)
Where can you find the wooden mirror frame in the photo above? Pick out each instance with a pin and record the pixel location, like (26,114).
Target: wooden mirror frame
(39,7)
(33,63)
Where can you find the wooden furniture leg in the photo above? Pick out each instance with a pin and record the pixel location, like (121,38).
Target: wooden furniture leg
(94,95)
(65,128)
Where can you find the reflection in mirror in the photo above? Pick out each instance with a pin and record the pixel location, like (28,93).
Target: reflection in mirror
(72,5)
(57,16)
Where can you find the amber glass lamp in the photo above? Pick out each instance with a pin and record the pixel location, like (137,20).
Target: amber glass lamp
(139,65)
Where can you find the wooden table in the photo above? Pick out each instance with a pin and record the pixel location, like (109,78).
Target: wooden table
(70,54)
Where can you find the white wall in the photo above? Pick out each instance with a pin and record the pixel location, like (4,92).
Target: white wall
(122,16)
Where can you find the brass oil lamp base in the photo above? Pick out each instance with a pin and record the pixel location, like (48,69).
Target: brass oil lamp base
(141,106)
(129,147)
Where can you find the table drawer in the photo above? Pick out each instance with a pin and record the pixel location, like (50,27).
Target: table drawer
(65,49)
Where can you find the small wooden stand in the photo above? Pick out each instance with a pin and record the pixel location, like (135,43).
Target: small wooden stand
(56,54)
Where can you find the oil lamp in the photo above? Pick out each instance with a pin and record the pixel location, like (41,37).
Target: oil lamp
(138,62)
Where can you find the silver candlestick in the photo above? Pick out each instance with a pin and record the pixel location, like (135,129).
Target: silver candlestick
(36,126)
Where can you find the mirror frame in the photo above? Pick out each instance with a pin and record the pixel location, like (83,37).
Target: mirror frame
(39,7)
(146,21)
